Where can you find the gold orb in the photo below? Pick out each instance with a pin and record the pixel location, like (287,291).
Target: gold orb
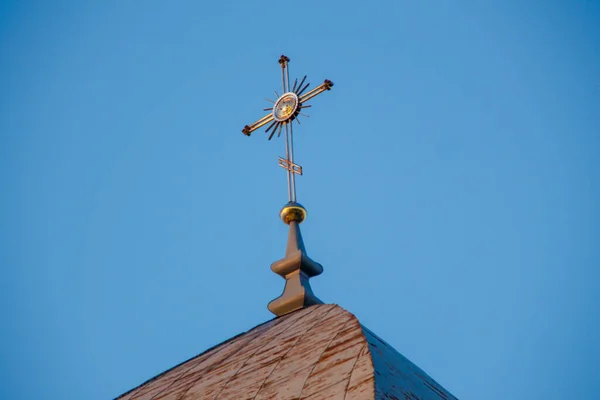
(292,212)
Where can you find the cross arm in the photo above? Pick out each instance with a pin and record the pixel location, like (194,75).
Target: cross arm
(261,122)
(327,85)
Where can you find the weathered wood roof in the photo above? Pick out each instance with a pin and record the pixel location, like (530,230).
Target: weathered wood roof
(318,352)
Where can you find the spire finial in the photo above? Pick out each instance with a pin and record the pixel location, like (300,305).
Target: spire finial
(296,267)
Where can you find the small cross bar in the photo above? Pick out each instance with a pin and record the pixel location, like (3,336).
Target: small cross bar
(290,166)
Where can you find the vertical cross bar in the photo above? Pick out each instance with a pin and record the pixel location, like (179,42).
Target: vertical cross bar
(289,139)
(283,68)
(287,78)
(285,75)
(287,157)
(293,176)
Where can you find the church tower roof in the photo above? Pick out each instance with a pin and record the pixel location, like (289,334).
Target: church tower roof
(317,353)
(310,350)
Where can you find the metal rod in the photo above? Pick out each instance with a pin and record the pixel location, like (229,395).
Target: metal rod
(313,93)
(287,157)
(283,68)
(310,93)
(270,126)
(261,122)
(303,89)
(292,175)
(301,83)
(262,119)
(287,78)
(317,88)
(273,131)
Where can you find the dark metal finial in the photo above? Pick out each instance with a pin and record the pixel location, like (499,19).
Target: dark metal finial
(296,268)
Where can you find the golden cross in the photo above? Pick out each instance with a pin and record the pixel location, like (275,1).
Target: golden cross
(285,110)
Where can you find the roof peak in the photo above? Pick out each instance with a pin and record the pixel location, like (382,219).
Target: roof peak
(319,352)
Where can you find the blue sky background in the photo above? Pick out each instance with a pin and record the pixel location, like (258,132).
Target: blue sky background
(451,179)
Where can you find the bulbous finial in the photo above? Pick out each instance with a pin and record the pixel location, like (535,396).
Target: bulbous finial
(292,211)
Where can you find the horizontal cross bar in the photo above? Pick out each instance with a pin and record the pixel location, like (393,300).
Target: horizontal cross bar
(258,124)
(290,166)
(327,85)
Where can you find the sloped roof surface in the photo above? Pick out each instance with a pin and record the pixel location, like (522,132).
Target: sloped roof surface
(318,352)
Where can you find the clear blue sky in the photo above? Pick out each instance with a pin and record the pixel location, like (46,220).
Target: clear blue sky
(451,178)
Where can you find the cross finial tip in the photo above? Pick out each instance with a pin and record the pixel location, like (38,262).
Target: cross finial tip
(283,60)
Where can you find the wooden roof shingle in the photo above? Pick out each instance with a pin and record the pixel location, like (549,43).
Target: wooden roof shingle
(318,352)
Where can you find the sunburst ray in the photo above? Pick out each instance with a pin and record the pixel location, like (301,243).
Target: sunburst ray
(270,126)
(277,125)
(301,83)
(303,89)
